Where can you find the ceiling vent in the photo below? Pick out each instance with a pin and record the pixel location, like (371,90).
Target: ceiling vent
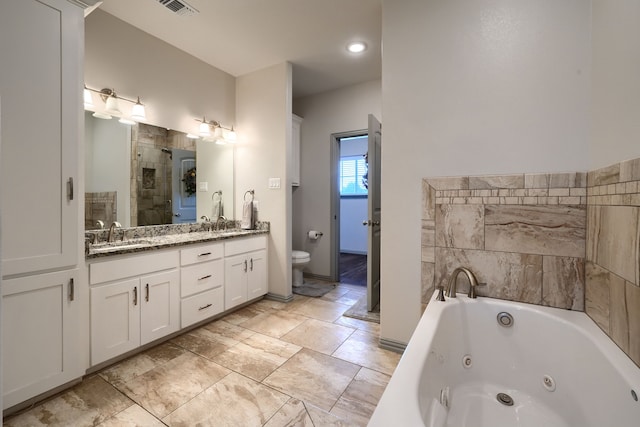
(179,7)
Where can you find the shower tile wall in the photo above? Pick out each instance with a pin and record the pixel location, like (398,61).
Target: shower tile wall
(150,195)
(612,263)
(99,206)
(522,235)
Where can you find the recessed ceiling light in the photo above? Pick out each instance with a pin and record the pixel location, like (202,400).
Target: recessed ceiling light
(357,47)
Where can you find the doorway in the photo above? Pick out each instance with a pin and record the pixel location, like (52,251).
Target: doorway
(352,188)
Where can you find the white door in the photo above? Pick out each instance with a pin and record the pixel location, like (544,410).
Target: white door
(159,299)
(235,280)
(183,196)
(373,239)
(115,319)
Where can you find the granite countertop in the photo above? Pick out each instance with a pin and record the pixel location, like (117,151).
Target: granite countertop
(135,240)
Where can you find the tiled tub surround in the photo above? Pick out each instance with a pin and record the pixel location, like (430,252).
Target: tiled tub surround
(523,235)
(612,253)
(165,236)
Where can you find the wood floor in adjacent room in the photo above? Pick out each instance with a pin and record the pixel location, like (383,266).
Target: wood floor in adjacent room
(353,269)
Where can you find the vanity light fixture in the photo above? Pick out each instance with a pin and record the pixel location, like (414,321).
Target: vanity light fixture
(357,47)
(112,107)
(221,135)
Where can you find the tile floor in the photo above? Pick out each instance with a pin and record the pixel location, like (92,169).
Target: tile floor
(268,364)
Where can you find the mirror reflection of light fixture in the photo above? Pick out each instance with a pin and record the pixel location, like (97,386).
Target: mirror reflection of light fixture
(112,107)
(221,135)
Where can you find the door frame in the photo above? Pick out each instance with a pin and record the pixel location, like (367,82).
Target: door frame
(335,199)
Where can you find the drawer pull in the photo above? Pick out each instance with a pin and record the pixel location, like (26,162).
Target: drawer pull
(205,307)
(135,295)
(204,254)
(205,277)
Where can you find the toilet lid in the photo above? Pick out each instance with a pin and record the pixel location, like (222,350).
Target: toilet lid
(299,254)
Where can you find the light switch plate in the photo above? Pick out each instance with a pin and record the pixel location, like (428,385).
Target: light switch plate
(274,182)
(203,186)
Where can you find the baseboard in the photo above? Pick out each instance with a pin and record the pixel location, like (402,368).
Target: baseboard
(394,346)
(319,277)
(279,298)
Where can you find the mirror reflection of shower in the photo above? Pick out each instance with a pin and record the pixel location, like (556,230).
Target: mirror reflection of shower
(160,157)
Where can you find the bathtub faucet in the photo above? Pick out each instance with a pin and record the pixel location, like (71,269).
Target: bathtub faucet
(451,287)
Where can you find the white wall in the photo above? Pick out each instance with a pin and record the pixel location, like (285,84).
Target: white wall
(331,112)
(175,87)
(616,82)
(263,151)
(482,87)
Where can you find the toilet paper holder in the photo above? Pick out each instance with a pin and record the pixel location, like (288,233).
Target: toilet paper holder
(314,235)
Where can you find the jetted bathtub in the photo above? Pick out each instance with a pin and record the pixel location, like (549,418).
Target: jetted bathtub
(491,363)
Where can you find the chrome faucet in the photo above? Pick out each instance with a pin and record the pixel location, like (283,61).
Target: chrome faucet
(205,218)
(114,225)
(451,287)
(224,222)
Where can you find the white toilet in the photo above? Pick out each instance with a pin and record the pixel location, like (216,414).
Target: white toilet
(298,260)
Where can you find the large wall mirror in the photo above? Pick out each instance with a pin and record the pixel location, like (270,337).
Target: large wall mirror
(148,175)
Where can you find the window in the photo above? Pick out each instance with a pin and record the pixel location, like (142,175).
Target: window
(352,170)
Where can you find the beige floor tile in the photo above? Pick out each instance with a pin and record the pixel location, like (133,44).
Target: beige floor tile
(293,413)
(275,323)
(371,327)
(233,401)
(163,389)
(320,417)
(246,313)
(320,336)
(212,339)
(367,386)
(297,301)
(88,403)
(257,356)
(133,416)
(143,362)
(355,412)
(314,377)
(328,311)
(362,348)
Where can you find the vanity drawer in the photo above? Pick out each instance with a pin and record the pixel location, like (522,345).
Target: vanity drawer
(201,253)
(247,244)
(201,277)
(202,306)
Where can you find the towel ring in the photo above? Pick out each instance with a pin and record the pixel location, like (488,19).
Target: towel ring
(251,192)
(219,193)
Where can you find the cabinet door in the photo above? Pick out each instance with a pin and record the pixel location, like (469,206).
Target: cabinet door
(41,80)
(115,319)
(40,342)
(235,280)
(160,299)
(257,277)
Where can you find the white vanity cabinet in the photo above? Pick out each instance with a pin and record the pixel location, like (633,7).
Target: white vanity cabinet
(134,300)
(41,46)
(44,304)
(40,334)
(201,282)
(245,267)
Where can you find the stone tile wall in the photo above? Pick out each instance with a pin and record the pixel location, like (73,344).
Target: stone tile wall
(612,253)
(523,235)
(100,206)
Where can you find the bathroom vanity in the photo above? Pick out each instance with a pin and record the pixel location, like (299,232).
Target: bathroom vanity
(147,288)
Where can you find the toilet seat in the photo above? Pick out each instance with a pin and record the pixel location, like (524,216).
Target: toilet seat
(300,256)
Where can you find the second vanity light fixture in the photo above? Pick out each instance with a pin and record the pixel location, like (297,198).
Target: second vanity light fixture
(112,106)
(221,135)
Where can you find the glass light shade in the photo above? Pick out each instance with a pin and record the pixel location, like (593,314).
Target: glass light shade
(204,129)
(112,106)
(104,116)
(357,47)
(137,111)
(88,99)
(220,141)
(231,136)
